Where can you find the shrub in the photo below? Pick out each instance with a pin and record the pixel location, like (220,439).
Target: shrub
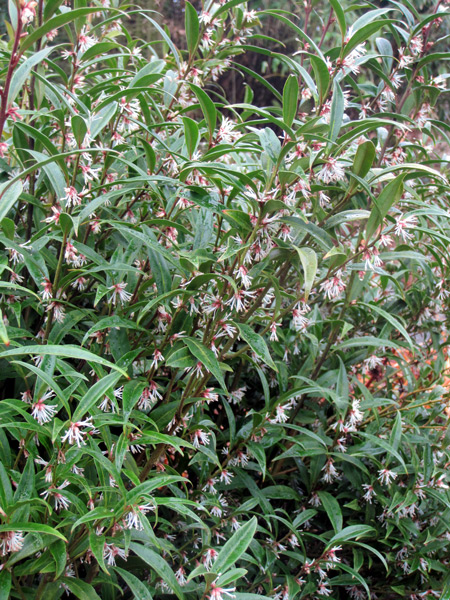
(223,326)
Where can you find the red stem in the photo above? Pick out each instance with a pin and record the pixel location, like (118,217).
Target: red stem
(13,61)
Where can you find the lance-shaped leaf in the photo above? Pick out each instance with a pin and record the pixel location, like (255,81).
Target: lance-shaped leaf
(97,391)
(337,111)
(388,197)
(32,527)
(207,358)
(257,344)
(157,563)
(62,352)
(208,108)
(308,258)
(290,99)
(235,547)
(192,27)
(138,588)
(9,197)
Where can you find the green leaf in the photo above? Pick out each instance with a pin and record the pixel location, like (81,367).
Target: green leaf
(100,512)
(97,545)
(342,388)
(59,552)
(158,564)
(257,344)
(208,108)
(6,494)
(247,596)
(322,76)
(367,340)
(260,454)
(388,197)
(156,481)
(57,22)
(136,586)
(79,129)
(207,358)
(364,157)
(191,132)
(231,576)
(363,33)
(101,119)
(5,584)
(235,547)
(109,322)
(344,217)
(22,72)
(93,395)
(8,225)
(80,589)
(332,508)
(396,433)
(33,527)
(46,378)
(131,393)
(9,197)
(192,27)
(53,172)
(238,218)
(25,489)
(66,223)
(308,259)
(391,451)
(392,320)
(350,533)
(340,16)
(290,99)
(337,112)
(66,351)
(270,143)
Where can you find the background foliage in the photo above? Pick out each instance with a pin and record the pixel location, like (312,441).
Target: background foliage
(223,362)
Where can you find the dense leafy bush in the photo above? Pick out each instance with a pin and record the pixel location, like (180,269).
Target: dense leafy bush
(224,331)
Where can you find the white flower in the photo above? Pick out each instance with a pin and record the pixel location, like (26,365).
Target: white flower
(402,224)
(386,477)
(11,541)
(209,557)
(369,492)
(157,358)
(355,415)
(226,477)
(331,171)
(43,413)
(133,518)
(226,132)
(350,60)
(245,278)
(200,438)
(74,435)
(119,293)
(373,362)
(217,593)
(334,286)
(280,413)
(61,502)
(209,485)
(181,576)
(110,551)
(86,41)
(330,472)
(72,197)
